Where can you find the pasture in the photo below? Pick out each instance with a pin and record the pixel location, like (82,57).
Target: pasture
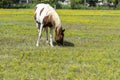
(91,48)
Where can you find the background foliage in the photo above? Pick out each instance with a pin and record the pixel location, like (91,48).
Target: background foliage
(75,4)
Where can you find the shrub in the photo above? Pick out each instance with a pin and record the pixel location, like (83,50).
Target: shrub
(76,4)
(23,5)
(65,6)
(5,3)
(118,6)
(56,5)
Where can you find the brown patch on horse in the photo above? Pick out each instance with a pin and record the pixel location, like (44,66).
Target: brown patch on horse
(56,34)
(59,36)
(47,21)
(41,11)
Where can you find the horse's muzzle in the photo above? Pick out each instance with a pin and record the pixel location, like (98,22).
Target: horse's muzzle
(59,43)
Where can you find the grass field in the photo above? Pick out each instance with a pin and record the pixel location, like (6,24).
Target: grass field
(91,51)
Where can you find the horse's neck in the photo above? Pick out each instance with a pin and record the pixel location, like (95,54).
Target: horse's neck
(58,30)
(56,20)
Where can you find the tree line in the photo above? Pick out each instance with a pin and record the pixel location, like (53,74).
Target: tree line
(75,4)
(23,3)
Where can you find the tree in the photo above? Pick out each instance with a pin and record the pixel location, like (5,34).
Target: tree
(116,2)
(6,3)
(84,2)
(15,1)
(54,3)
(75,4)
(27,1)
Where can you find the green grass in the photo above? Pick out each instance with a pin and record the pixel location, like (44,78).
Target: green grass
(91,51)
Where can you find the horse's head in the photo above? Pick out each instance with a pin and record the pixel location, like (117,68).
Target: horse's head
(59,37)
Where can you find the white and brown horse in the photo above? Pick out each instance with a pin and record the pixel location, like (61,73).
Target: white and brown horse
(46,16)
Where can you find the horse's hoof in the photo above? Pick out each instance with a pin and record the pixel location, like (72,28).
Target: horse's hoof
(37,45)
(47,42)
(51,45)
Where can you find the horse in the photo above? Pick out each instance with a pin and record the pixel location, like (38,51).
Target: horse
(46,16)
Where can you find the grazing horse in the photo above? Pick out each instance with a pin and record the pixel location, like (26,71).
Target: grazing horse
(46,16)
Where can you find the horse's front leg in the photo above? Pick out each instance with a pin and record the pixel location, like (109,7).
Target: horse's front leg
(46,29)
(38,26)
(40,34)
(51,37)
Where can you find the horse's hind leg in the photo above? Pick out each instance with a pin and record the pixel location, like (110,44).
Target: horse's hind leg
(40,34)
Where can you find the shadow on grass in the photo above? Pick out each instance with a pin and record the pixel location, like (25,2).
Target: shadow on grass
(68,44)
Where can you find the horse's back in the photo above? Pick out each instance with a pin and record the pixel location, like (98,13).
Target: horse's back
(44,10)
(40,11)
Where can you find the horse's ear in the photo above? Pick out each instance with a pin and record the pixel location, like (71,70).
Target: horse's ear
(63,30)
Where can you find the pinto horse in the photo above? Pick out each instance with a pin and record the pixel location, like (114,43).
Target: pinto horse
(46,16)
